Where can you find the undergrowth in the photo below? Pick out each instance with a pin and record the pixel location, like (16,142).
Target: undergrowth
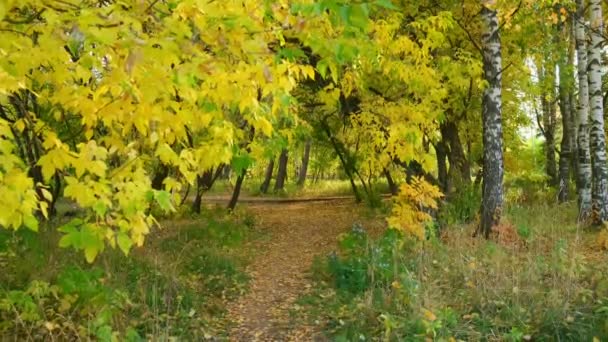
(174,288)
(543,280)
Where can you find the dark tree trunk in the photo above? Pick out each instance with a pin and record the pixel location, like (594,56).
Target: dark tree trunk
(237,191)
(304,168)
(267,177)
(493,169)
(565,155)
(459,172)
(392,186)
(573,106)
(282,171)
(414,169)
(567,147)
(549,123)
(161,173)
(345,163)
(204,183)
(442,166)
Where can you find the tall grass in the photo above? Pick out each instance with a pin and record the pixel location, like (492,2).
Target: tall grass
(176,287)
(544,279)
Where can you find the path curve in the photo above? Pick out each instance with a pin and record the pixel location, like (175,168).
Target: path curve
(297,232)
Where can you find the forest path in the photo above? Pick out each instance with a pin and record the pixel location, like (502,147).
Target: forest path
(297,232)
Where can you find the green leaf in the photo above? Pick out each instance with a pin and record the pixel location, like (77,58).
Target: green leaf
(90,253)
(150,195)
(240,163)
(124,242)
(66,241)
(30,222)
(71,226)
(104,333)
(386,4)
(359,16)
(345,13)
(322,67)
(163,198)
(100,208)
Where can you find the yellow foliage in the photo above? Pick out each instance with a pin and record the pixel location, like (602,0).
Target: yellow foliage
(408,214)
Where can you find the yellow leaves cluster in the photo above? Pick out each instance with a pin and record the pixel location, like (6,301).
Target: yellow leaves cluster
(409,213)
(172,82)
(19,200)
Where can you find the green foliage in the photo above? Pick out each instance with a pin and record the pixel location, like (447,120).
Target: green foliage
(78,305)
(176,289)
(461,207)
(540,288)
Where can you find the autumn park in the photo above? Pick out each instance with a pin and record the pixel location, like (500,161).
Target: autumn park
(303,170)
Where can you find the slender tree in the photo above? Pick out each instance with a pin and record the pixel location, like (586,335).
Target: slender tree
(267,176)
(597,134)
(304,167)
(493,168)
(567,158)
(237,190)
(282,171)
(566,147)
(549,125)
(584,154)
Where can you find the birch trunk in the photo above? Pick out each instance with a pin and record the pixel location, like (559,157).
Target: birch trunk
(584,155)
(597,135)
(493,168)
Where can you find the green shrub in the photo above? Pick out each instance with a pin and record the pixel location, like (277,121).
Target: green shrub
(460,207)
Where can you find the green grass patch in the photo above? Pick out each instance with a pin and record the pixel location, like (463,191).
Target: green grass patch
(175,287)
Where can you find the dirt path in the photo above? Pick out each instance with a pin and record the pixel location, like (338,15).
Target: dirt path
(297,232)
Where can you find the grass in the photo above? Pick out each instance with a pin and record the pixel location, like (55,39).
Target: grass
(544,280)
(176,287)
(335,187)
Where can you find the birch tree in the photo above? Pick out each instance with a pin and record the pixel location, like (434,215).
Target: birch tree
(597,135)
(493,165)
(584,154)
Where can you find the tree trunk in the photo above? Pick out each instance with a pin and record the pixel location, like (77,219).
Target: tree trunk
(282,171)
(267,177)
(573,109)
(442,166)
(565,95)
(566,143)
(204,184)
(549,119)
(493,169)
(597,134)
(394,189)
(584,155)
(459,172)
(343,161)
(159,177)
(304,168)
(237,191)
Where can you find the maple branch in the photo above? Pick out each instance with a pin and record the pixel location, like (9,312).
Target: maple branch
(15,32)
(470,36)
(151,5)
(540,126)
(27,20)
(512,14)
(68,4)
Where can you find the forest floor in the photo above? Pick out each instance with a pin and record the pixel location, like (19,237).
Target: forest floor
(296,232)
